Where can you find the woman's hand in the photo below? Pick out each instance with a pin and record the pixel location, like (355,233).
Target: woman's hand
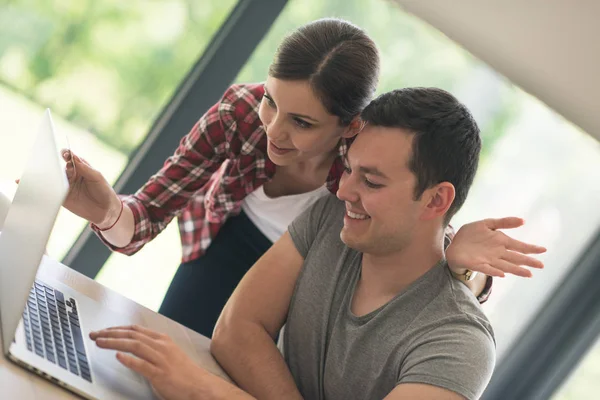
(90,196)
(172,374)
(479,246)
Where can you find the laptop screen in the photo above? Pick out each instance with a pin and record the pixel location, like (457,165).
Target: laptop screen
(28,224)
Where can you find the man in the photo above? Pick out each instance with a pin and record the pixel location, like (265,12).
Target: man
(371,312)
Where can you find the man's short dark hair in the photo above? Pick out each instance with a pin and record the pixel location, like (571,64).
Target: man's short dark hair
(446,144)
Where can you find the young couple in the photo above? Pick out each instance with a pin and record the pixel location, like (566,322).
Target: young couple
(334,209)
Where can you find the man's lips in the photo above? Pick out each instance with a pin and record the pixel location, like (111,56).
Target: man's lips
(355,215)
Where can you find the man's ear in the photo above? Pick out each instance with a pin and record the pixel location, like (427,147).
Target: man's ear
(354,128)
(438,200)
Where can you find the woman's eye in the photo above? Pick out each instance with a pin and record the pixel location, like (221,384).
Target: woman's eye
(372,185)
(270,101)
(302,124)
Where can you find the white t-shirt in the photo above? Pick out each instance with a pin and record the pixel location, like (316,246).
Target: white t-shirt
(272,216)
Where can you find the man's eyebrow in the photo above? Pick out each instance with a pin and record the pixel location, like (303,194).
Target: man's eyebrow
(373,171)
(292,114)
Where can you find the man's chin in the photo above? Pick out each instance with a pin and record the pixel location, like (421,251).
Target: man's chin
(352,241)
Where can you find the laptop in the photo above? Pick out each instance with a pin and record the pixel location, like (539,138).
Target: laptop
(46,324)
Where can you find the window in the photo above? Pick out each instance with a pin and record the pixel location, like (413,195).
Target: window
(584,382)
(105,69)
(534,163)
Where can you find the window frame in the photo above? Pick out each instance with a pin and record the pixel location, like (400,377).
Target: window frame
(552,345)
(537,364)
(224,57)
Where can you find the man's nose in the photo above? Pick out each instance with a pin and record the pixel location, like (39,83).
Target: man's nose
(347,189)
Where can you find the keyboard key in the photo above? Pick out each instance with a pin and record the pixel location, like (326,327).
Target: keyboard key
(73,369)
(82,358)
(78,339)
(62,362)
(59,296)
(85,369)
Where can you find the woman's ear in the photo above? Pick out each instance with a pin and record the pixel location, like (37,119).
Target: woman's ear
(354,128)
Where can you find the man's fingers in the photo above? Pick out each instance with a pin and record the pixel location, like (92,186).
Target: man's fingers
(521,259)
(148,332)
(135,347)
(116,333)
(511,268)
(138,365)
(525,248)
(136,328)
(504,223)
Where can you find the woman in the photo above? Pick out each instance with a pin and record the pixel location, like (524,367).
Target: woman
(252,163)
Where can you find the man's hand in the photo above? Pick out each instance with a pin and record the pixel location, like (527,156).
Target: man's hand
(172,374)
(479,246)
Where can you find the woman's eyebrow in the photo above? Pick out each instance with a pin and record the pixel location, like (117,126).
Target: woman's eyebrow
(292,114)
(304,116)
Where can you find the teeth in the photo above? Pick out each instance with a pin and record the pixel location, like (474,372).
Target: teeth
(356,216)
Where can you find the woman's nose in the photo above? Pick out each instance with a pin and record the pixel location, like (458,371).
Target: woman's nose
(276,129)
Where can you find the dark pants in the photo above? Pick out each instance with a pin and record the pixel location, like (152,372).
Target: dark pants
(201,287)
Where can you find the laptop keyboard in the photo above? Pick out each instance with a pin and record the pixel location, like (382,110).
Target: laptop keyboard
(52,329)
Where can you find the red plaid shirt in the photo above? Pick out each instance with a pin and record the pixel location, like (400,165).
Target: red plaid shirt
(221,161)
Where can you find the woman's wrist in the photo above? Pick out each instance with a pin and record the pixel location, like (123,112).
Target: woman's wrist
(454,266)
(112,216)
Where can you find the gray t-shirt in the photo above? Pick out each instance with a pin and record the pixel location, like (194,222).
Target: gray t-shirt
(433,332)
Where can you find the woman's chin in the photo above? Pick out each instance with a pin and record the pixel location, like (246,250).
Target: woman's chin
(281,160)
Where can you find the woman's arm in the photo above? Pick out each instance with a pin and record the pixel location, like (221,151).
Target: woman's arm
(126,223)
(481,247)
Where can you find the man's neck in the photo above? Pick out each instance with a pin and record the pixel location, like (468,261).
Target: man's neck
(387,275)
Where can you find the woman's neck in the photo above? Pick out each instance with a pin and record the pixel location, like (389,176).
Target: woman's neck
(301,177)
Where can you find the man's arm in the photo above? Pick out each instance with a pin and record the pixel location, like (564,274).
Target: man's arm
(243,340)
(457,355)
(418,391)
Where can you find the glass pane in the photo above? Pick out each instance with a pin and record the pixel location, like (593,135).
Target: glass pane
(105,68)
(533,160)
(584,382)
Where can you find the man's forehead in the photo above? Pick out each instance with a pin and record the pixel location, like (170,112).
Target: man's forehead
(381,145)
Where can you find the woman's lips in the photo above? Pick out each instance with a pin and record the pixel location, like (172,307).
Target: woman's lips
(278,150)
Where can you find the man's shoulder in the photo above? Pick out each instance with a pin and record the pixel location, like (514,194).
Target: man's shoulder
(454,309)
(331,209)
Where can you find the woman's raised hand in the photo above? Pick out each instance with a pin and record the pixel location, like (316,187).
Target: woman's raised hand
(90,196)
(480,246)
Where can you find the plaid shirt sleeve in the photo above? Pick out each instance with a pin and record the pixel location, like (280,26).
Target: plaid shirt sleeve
(200,153)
